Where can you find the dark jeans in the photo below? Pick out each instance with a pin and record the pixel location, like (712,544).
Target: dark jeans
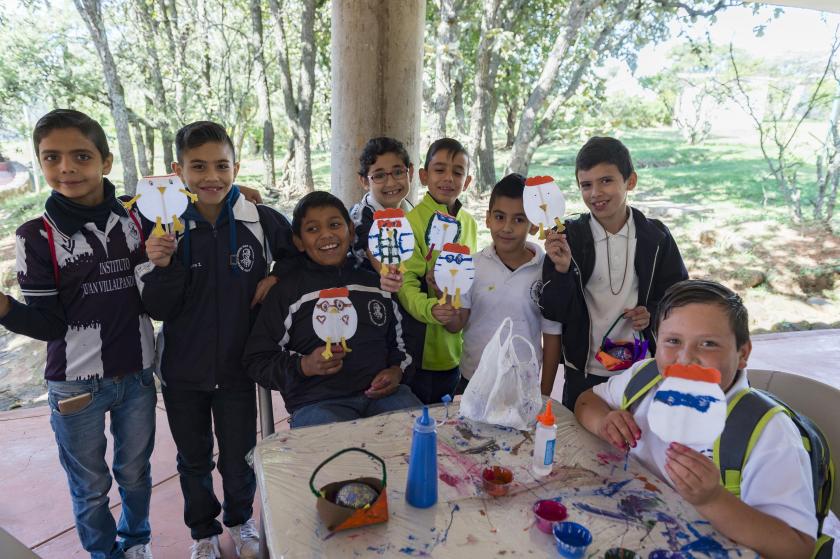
(431,386)
(349,408)
(234,416)
(576,383)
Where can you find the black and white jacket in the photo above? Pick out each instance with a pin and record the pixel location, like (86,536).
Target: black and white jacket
(284,333)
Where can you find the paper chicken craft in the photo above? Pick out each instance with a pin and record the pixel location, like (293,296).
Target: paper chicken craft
(544,203)
(163,200)
(689,407)
(334,318)
(390,240)
(454,272)
(442,229)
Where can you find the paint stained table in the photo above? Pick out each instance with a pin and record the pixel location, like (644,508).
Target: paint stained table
(630,509)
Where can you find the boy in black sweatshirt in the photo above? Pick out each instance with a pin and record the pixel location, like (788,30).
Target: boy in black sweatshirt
(349,378)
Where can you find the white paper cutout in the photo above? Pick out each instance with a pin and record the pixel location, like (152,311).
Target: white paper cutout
(390,240)
(334,318)
(443,228)
(454,272)
(690,411)
(162,200)
(544,203)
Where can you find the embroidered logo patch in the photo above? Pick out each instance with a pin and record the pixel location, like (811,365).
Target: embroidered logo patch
(377,312)
(536,289)
(245,258)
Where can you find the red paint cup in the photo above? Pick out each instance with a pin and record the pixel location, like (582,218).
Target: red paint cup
(496,480)
(547,512)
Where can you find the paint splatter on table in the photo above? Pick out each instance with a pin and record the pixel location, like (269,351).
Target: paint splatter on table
(630,509)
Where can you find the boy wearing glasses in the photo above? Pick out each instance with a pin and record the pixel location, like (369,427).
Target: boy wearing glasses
(385,172)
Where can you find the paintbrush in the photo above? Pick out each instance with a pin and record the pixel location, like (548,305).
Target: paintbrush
(626,456)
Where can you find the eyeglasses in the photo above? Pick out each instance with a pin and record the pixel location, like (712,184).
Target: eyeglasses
(381,177)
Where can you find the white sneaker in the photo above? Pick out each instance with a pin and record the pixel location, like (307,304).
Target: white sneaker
(206,548)
(246,539)
(142,551)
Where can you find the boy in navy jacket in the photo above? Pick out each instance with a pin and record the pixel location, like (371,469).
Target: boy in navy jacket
(205,292)
(611,265)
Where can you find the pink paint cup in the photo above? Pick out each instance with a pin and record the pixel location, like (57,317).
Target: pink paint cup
(547,512)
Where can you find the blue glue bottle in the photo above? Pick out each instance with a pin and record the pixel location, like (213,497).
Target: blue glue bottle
(421,489)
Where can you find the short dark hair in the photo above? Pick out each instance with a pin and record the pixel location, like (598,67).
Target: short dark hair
(603,149)
(196,134)
(317,199)
(511,186)
(380,146)
(68,118)
(707,292)
(454,147)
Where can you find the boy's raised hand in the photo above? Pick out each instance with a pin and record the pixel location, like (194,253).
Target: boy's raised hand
(160,250)
(558,251)
(444,313)
(640,317)
(314,364)
(263,287)
(385,383)
(619,429)
(392,282)
(695,477)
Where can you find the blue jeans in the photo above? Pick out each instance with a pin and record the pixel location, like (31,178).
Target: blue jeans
(81,448)
(431,386)
(349,408)
(192,416)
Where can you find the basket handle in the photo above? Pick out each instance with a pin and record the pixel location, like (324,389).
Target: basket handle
(640,334)
(336,455)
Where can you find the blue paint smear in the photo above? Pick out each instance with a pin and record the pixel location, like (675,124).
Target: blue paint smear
(612,488)
(603,512)
(700,403)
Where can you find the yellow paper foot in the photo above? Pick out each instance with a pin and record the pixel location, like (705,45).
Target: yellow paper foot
(542,232)
(158,230)
(403,269)
(384,269)
(456,301)
(327,353)
(127,205)
(193,197)
(559,224)
(442,299)
(177,226)
(344,346)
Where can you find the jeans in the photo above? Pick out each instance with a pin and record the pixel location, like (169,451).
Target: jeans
(80,436)
(192,416)
(576,383)
(431,386)
(349,408)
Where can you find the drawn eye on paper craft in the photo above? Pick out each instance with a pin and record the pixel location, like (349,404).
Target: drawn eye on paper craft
(689,407)
(162,199)
(454,272)
(390,240)
(334,318)
(544,203)
(442,229)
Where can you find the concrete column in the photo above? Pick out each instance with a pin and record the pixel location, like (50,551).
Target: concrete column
(377,83)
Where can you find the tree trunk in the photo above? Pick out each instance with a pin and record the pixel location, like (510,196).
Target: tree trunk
(458,101)
(511,110)
(150,148)
(263,101)
(445,44)
(91,12)
(142,162)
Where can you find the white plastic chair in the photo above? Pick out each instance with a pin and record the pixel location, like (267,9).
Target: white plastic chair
(818,401)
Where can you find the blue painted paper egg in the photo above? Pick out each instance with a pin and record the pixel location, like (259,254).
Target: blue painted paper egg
(356,495)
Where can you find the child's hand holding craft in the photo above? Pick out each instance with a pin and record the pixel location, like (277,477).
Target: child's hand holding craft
(619,429)
(640,317)
(392,281)
(444,313)
(315,364)
(557,249)
(695,477)
(161,249)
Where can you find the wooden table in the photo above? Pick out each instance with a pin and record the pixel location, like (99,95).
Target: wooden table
(630,509)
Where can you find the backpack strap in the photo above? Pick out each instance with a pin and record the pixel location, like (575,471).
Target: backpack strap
(51,239)
(643,380)
(747,414)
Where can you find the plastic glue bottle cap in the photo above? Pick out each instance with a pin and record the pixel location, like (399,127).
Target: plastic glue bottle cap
(546,418)
(425,420)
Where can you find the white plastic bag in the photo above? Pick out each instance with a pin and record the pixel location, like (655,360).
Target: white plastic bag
(504,390)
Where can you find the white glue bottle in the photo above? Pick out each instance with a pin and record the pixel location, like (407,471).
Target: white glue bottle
(544,439)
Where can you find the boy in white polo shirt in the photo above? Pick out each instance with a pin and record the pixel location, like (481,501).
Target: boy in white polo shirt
(508,279)
(704,323)
(610,265)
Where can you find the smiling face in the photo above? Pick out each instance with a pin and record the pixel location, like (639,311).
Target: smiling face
(208,170)
(604,191)
(700,334)
(73,166)
(446,176)
(508,224)
(390,191)
(324,236)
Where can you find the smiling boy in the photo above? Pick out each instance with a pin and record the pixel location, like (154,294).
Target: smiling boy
(611,262)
